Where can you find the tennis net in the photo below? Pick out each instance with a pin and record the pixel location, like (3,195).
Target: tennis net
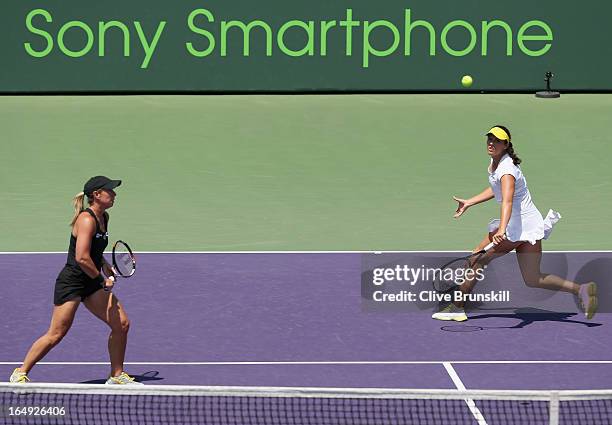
(68,404)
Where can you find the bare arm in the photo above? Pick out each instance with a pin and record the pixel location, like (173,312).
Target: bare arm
(507,183)
(464,204)
(84,229)
(107,267)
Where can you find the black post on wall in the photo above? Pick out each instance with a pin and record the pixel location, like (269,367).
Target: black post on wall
(548,93)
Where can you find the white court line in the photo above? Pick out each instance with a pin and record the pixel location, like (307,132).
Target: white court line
(382,362)
(298,252)
(470,402)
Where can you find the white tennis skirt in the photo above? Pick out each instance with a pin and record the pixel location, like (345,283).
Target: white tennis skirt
(530,227)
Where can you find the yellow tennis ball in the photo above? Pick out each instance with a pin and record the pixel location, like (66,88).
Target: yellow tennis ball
(466,81)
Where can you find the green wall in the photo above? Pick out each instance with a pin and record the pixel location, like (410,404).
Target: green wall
(576,47)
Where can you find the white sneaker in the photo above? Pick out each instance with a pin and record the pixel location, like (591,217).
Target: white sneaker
(19,377)
(123,379)
(451,312)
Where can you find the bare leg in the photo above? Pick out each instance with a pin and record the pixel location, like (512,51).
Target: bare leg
(529,257)
(61,320)
(106,307)
(495,252)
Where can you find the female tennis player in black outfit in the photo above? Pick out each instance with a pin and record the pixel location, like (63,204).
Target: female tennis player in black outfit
(81,281)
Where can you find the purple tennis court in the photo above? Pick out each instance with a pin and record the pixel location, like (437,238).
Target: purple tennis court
(297,320)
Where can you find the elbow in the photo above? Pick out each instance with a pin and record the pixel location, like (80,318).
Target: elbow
(81,259)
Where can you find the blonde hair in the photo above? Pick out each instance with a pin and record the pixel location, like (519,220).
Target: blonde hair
(77,203)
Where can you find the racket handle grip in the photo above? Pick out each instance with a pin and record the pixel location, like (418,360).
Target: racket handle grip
(488,247)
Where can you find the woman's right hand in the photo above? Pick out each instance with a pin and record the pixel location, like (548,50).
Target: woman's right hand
(462,207)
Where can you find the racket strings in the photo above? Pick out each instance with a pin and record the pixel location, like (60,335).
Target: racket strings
(123,260)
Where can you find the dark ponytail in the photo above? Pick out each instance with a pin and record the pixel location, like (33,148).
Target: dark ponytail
(513,155)
(510,148)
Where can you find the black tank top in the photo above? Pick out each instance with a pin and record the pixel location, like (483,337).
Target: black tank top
(99,242)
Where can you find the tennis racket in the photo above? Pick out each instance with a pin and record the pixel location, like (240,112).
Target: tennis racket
(124,261)
(452,274)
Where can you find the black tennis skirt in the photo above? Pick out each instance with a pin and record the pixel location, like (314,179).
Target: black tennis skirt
(72,282)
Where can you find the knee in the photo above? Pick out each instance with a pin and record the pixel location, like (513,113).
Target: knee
(477,265)
(122,325)
(532,280)
(481,262)
(125,325)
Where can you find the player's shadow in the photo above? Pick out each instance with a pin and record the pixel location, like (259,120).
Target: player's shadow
(147,376)
(530,315)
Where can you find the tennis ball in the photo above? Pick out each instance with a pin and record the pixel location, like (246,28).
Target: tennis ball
(466,81)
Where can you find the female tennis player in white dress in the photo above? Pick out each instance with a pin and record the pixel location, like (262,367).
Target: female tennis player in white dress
(520,227)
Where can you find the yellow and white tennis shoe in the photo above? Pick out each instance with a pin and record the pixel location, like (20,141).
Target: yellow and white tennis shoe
(451,312)
(588,299)
(19,377)
(123,379)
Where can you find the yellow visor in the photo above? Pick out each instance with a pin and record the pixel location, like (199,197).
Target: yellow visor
(500,133)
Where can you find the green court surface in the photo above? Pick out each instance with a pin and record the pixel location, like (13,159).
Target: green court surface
(255,173)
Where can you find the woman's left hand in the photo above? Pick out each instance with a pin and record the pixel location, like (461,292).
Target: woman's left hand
(499,237)
(108,270)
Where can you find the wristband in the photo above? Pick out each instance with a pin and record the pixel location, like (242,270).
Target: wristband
(99,279)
